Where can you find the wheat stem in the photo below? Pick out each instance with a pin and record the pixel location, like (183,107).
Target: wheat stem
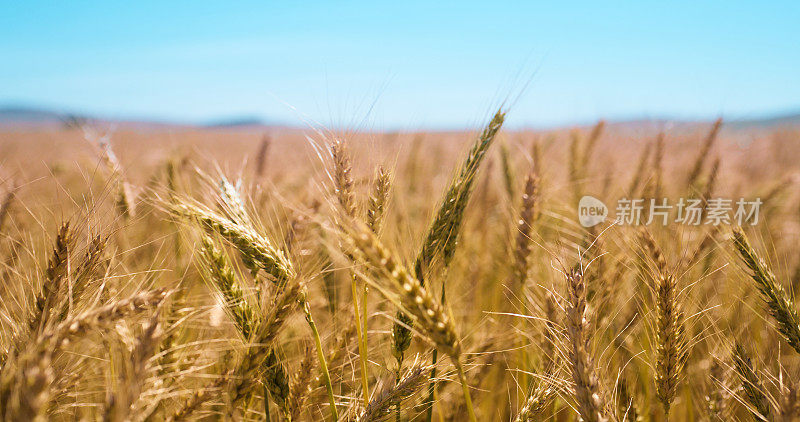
(326,376)
(362,352)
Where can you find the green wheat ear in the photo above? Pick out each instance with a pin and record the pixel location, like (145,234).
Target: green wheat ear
(443,232)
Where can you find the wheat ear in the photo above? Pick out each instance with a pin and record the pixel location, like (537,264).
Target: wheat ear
(671,344)
(670,329)
(779,305)
(697,167)
(399,286)
(262,155)
(255,247)
(5,204)
(638,175)
(442,237)
(92,261)
(627,410)
(378,199)
(223,279)
(301,385)
(536,403)
(380,405)
(57,270)
(30,384)
(716,398)
(253,363)
(343,189)
(198,398)
(751,383)
(509,176)
(584,376)
(527,216)
(343,177)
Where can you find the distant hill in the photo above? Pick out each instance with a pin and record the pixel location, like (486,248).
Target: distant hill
(237,122)
(791,119)
(32,117)
(244,123)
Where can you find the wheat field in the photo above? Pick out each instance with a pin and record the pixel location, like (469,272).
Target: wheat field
(310,275)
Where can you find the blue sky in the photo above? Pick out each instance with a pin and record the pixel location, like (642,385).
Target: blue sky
(402,65)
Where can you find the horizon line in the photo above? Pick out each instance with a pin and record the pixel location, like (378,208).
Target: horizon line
(255,120)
